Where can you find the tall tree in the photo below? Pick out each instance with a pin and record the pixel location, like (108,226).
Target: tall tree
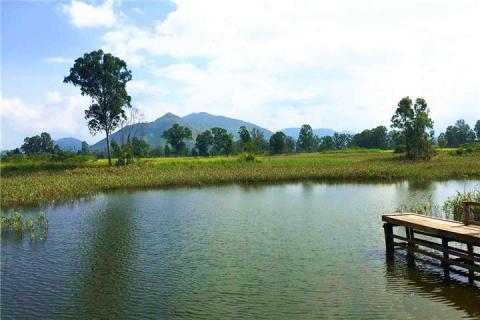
(289,144)
(140,147)
(245,138)
(277,142)
(416,125)
(175,137)
(306,141)
(102,77)
(222,141)
(259,143)
(203,142)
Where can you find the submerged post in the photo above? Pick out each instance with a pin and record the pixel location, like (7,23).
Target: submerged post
(389,246)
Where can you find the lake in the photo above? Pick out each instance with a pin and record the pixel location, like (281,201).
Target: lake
(296,251)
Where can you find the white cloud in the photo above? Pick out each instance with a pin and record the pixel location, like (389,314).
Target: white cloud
(59,60)
(61,116)
(85,15)
(338,64)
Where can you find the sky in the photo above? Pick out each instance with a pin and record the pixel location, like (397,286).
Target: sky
(342,65)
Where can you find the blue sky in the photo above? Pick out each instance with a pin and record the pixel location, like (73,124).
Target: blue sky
(275,63)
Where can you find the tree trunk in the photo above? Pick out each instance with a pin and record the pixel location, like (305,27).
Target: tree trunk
(108,148)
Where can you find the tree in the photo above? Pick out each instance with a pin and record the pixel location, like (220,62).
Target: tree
(38,143)
(175,137)
(289,144)
(459,133)
(374,138)
(245,138)
(277,142)
(102,77)
(341,140)
(326,143)
(85,148)
(477,129)
(203,142)
(306,141)
(259,143)
(416,126)
(442,141)
(222,141)
(140,147)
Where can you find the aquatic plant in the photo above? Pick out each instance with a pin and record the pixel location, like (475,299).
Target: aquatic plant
(454,205)
(14,223)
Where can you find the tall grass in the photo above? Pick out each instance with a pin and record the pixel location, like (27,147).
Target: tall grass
(37,186)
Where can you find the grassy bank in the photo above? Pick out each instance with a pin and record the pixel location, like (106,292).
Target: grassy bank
(24,185)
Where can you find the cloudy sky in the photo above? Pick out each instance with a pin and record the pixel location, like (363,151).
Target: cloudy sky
(337,64)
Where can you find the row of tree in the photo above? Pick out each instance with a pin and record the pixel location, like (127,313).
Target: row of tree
(103,77)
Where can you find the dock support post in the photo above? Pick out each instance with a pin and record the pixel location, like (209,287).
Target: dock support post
(446,256)
(471,273)
(410,246)
(388,229)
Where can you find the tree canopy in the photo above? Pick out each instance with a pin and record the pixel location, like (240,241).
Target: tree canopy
(222,141)
(175,137)
(38,143)
(203,142)
(459,133)
(306,141)
(416,125)
(102,77)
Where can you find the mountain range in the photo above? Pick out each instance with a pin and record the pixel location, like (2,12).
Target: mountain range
(197,122)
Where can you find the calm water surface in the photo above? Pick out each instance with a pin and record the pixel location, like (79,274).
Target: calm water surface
(297,251)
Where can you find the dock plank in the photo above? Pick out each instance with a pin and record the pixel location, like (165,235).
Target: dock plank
(443,228)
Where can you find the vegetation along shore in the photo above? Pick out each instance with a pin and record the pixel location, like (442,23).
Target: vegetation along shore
(36,182)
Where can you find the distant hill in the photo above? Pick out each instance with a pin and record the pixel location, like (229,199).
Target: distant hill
(69,144)
(197,122)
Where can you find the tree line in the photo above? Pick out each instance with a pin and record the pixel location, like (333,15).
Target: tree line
(103,77)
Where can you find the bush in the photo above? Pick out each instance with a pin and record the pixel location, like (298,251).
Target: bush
(401,148)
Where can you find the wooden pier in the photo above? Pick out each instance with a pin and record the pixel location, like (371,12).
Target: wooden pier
(453,243)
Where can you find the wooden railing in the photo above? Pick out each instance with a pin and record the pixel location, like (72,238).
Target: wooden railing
(467,214)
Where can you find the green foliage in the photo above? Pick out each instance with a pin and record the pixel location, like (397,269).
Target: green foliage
(15,224)
(416,126)
(29,183)
(426,207)
(203,143)
(374,138)
(38,144)
(85,150)
(467,149)
(454,205)
(306,141)
(222,141)
(246,157)
(325,143)
(442,141)
(245,138)
(102,77)
(458,134)
(278,143)
(175,137)
(140,147)
(341,140)
(477,129)
(259,144)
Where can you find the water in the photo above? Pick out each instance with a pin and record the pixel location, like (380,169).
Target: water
(297,251)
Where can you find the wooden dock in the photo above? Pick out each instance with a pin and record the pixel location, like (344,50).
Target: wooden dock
(453,243)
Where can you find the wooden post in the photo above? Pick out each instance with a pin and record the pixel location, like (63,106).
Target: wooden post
(388,230)
(471,273)
(446,267)
(466,212)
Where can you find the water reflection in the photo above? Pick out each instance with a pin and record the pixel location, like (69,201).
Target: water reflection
(106,259)
(414,278)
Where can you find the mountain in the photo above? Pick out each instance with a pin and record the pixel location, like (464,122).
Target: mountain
(197,122)
(69,144)
(321,132)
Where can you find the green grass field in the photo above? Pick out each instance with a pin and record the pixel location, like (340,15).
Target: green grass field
(30,183)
